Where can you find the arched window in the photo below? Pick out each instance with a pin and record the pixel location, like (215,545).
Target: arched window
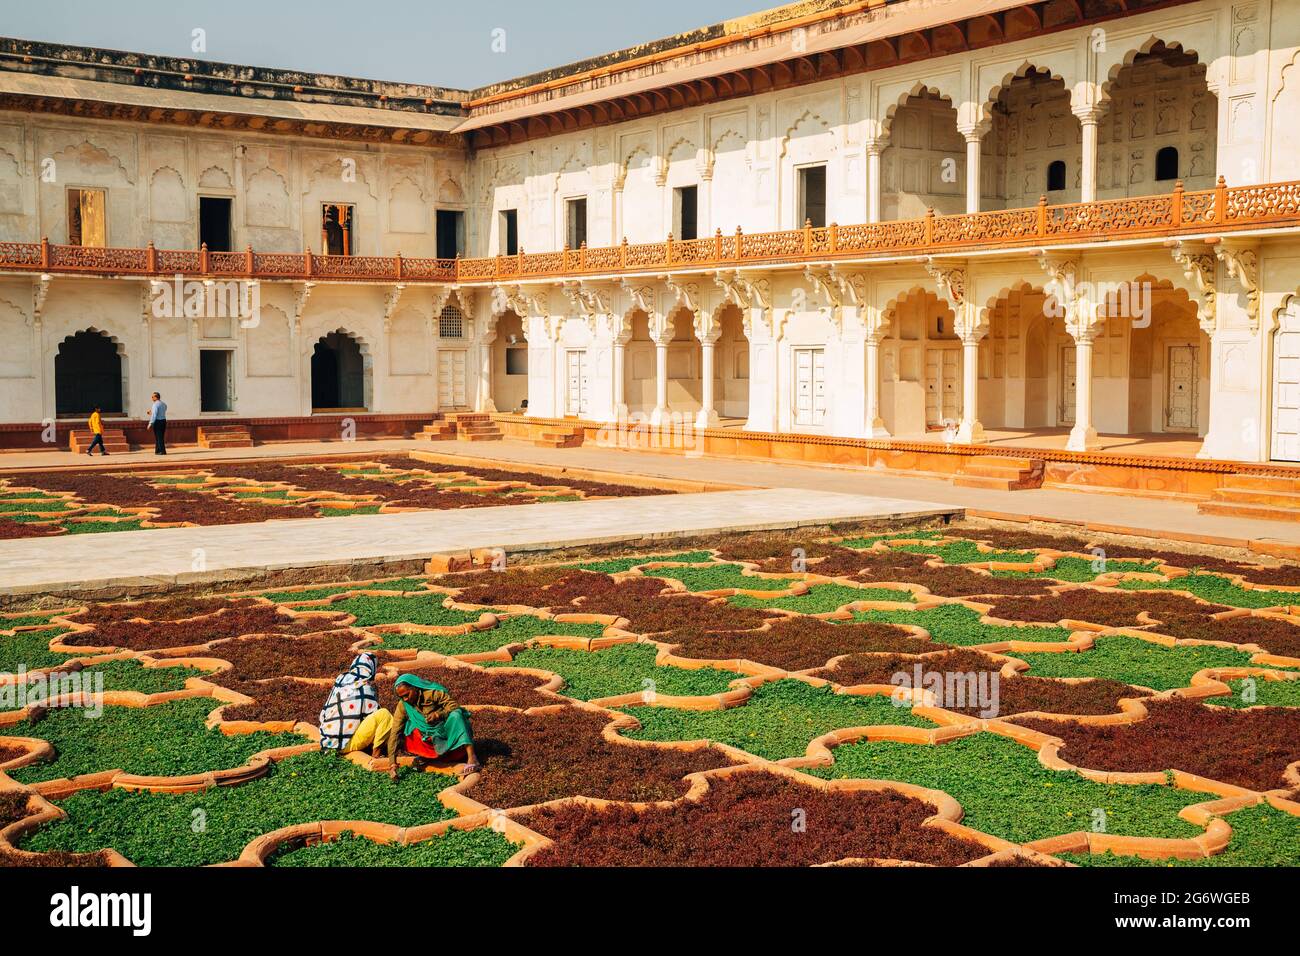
(1056,175)
(88,374)
(1167,163)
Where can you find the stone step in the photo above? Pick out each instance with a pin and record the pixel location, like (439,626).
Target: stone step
(1241,510)
(1000,472)
(225,436)
(1276,499)
(982,481)
(560,439)
(482,436)
(439,431)
(114,440)
(1262,483)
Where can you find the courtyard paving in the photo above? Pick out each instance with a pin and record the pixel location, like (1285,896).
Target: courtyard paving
(187,555)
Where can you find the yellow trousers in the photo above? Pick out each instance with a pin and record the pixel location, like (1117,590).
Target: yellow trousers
(373,729)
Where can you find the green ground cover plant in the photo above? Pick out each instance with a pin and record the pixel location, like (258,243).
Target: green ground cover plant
(165,740)
(1135,661)
(481,847)
(316,594)
(779,721)
(960,626)
(1263,693)
(30,649)
(822,598)
(622,669)
(1217,589)
(1080,570)
(513,630)
(615,565)
(1261,836)
(213,826)
(865,542)
(132,675)
(1006,792)
(967,552)
(717,577)
(417,609)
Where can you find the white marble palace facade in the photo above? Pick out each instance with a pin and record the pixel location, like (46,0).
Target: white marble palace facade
(886,220)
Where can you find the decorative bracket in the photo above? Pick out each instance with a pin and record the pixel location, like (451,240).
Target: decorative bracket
(300,300)
(750,294)
(950,282)
(40,290)
(1199,267)
(1079,312)
(391,301)
(1242,264)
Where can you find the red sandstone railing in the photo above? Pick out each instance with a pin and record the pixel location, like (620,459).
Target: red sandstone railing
(1178,213)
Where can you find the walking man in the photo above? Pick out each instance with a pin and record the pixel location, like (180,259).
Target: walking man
(158,422)
(96,429)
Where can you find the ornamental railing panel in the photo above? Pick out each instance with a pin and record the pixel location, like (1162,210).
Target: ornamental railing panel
(1178,213)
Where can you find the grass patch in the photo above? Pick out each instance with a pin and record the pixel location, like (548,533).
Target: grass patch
(778,721)
(481,847)
(1217,589)
(1006,792)
(622,669)
(101,527)
(1135,661)
(960,626)
(303,788)
(167,740)
(823,598)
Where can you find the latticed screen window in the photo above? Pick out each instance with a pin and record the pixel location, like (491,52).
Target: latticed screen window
(451,323)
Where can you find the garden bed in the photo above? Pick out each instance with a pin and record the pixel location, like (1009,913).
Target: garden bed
(697,697)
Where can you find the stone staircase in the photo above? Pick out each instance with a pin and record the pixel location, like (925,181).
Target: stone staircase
(114,441)
(475,426)
(225,436)
(560,436)
(1275,498)
(441,430)
(1002,473)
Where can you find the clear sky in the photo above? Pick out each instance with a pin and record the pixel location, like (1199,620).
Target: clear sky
(436,42)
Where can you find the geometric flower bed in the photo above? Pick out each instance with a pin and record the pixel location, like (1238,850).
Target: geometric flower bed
(969,696)
(37,504)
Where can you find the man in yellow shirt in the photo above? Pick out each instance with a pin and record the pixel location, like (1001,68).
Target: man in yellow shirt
(97,429)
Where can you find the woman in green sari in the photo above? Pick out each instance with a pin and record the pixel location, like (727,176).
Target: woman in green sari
(428,723)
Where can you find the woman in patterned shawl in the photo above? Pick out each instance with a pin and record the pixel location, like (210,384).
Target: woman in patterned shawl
(352,698)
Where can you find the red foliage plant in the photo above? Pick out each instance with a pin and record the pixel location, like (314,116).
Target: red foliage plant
(748,820)
(796,643)
(1106,608)
(235,621)
(532,758)
(1247,748)
(1016,695)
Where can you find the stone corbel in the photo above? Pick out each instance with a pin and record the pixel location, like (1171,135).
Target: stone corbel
(391,301)
(1242,264)
(1198,265)
(149,291)
(826,285)
(300,299)
(40,290)
(950,281)
(1080,313)
(641,297)
(686,292)
(748,292)
(589,301)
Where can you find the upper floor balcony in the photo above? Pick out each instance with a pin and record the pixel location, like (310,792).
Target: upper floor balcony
(1180,213)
